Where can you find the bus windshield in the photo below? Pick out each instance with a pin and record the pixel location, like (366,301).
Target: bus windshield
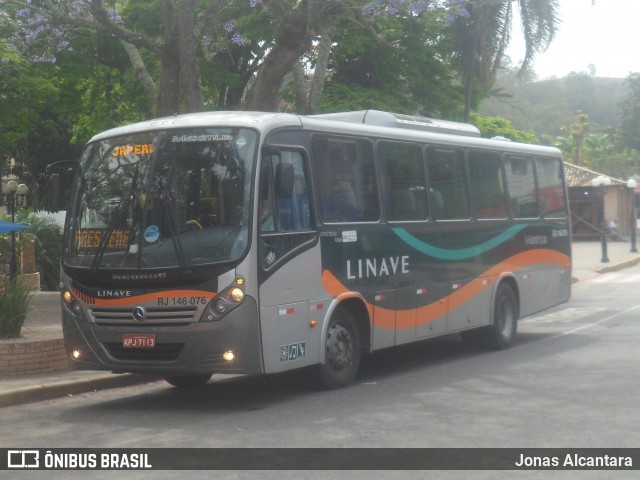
(162,199)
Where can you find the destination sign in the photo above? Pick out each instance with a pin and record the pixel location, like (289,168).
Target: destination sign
(138,149)
(91,239)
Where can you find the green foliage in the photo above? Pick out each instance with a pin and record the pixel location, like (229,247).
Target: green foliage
(599,151)
(24,91)
(408,72)
(14,306)
(110,99)
(630,121)
(501,127)
(48,243)
(545,107)
(49,141)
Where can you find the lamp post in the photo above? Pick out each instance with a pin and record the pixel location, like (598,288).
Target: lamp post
(631,185)
(600,184)
(13,195)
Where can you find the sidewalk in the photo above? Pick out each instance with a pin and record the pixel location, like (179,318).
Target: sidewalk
(43,322)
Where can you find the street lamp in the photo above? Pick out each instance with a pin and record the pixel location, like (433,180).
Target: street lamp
(631,185)
(13,195)
(600,184)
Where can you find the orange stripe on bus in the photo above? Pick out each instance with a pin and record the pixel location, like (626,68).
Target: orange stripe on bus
(149,297)
(406,319)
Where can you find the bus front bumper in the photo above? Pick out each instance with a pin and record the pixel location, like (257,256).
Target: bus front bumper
(230,345)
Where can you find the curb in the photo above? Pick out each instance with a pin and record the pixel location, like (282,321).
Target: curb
(50,391)
(620,266)
(614,268)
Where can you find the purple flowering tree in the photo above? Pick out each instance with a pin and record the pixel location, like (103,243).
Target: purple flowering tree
(190,36)
(41,27)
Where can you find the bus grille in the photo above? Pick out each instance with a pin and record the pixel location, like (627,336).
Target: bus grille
(163,352)
(152,315)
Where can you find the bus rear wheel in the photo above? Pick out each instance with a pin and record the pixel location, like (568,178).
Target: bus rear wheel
(342,351)
(501,333)
(188,381)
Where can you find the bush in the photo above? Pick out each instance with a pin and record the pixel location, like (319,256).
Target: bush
(14,305)
(48,241)
(48,238)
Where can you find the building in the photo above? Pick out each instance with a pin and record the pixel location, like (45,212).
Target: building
(592,206)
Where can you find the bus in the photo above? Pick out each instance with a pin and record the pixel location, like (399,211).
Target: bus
(256,243)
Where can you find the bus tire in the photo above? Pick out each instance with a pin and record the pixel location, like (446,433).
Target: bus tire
(343,348)
(501,333)
(188,381)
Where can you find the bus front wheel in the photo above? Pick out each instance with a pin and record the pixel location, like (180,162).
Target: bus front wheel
(188,381)
(342,351)
(501,333)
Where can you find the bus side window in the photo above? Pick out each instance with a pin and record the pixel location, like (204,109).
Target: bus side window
(550,187)
(284,209)
(521,186)
(447,178)
(403,181)
(345,179)
(487,185)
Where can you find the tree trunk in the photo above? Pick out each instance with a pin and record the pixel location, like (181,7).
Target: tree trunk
(300,88)
(265,94)
(320,73)
(142,74)
(468,98)
(296,30)
(179,83)
(189,78)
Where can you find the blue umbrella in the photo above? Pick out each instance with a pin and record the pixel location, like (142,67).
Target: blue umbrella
(6,227)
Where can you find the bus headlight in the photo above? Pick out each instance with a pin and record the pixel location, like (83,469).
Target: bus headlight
(220,306)
(236,295)
(227,300)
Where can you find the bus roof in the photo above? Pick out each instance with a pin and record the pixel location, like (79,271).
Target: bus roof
(399,120)
(363,122)
(207,119)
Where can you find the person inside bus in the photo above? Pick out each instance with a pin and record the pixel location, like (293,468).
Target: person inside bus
(340,204)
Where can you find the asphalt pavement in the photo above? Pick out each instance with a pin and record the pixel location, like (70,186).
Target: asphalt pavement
(43,323)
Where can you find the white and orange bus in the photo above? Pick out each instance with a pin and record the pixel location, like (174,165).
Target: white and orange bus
(255,243)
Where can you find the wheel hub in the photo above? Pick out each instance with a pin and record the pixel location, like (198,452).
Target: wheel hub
(339,347)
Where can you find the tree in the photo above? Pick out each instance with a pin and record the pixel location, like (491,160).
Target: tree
(579,132)
(491,127)
(406,71)
(166,40)
(629,130)
(483,36)
(24,91)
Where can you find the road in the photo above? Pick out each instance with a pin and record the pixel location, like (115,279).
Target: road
(570,381)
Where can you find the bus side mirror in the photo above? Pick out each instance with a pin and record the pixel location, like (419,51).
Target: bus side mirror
(53,202)
(284,180)
(53,198)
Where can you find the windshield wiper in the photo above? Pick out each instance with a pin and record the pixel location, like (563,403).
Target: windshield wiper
(175,231)
(124,202)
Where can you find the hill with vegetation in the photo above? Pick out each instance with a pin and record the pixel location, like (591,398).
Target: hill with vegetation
(545,107)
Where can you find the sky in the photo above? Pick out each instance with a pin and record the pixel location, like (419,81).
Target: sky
(606,35)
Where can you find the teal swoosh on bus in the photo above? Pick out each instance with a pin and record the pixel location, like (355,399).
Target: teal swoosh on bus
(461,253)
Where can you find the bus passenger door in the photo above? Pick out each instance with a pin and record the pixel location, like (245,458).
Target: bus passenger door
(289,263)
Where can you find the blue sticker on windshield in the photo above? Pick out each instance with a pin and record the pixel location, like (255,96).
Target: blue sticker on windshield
(151,234)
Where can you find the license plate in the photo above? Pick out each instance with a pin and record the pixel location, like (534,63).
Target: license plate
(141,340)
